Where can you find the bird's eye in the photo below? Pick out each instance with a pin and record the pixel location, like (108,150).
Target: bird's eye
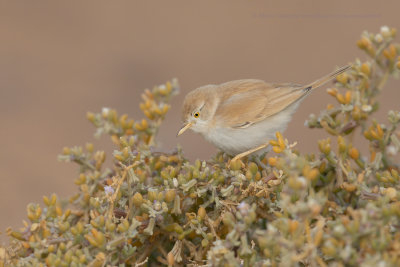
(196,115)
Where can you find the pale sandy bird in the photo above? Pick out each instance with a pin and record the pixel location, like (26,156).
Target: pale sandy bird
(240,117)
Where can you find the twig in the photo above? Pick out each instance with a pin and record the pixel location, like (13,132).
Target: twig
(210,223)
(142,263)
(120,181)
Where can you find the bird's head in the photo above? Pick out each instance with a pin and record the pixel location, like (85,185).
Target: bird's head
(198,109)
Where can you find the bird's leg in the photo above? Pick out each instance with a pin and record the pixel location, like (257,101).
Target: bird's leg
(248,152)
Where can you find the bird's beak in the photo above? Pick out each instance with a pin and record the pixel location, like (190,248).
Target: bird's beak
(184,128)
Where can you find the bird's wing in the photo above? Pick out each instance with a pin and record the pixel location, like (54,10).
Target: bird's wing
(246,102)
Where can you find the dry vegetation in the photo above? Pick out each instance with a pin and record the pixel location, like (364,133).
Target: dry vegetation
(336,208)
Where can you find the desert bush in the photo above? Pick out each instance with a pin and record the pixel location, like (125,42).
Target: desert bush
(335,208)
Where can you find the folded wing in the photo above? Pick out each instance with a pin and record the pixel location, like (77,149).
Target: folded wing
(245,102)
(250,101)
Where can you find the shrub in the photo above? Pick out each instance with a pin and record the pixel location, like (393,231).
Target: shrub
(336,208)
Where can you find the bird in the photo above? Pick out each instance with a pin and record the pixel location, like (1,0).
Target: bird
(239,117)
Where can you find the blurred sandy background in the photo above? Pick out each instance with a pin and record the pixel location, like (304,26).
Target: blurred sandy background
(59,60)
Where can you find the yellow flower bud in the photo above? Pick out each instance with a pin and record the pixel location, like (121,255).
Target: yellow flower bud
(347,97)
(152,195)
(59,210)
(148,94)
(89,147)
(148,114)
(356,113)
(281,141)
(165,109)
(248,175)
(379,131)
(51,248)
(144,124)
(273,143)
(374,134)
(160,196)
(348,187)
(277,149)
(129,132)
(330,106)
(110,226)
(341,99)
(236,165)
(309,173)
(137,199)
(46,200)
(342,78)
(325,146)
(332,91)
(272,161)
(322,167)
(164,90)
(123,118)
(391,193)
(115,139)
(386,53)
(312,174)
(201,213)
(373,155)
(392,51)
(170,195)
(90,116)
(53,199)
(125,152)
(158,111)
(158,165)
(365,68)
(367,134)
(342,144)
(66,151)
(119,157)
(138,126)
(168,85)
(354,154)
(363,43)
(253,168)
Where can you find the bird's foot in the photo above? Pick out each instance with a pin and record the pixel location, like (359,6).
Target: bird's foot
(248,152)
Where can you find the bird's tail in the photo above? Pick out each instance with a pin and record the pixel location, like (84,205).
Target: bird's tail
(325,79)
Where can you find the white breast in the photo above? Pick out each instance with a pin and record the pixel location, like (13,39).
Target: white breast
(234,141)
